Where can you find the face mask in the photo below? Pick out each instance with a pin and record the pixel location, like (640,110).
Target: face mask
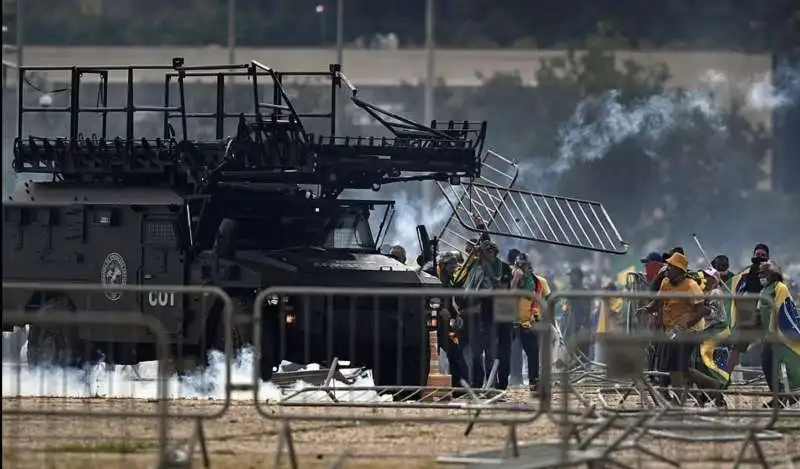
(758,260)
(651,270)
(763,281)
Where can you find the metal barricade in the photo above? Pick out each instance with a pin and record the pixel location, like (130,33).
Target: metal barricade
(376,344)
(626,409)
(189,386)
(39,430)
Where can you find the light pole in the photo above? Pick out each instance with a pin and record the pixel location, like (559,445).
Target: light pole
(430,74)
(231,32)
(339,55)
(19,25)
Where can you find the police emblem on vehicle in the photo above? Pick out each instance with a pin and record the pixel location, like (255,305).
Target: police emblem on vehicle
(114,274)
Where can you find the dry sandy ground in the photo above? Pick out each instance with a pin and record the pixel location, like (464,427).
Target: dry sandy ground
(244,438)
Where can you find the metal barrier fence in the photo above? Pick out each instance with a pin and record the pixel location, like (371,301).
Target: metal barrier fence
(41,427)
(89,403)
(374,396)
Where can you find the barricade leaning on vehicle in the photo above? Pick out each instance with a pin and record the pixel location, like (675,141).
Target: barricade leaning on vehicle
(51,415)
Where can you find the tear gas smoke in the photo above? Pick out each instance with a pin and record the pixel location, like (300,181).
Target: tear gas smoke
(600,122)
(139,382)
(412,212)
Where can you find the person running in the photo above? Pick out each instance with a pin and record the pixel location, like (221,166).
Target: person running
(530,310)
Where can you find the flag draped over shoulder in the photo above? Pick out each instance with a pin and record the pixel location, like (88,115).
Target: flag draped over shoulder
(737,285)
(786,320)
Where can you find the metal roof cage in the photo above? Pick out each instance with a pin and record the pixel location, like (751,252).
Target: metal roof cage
(272,143)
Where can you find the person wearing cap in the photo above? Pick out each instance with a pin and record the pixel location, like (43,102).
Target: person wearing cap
(779,318)
(530,309)
(662,273)
(722,265)
(653,263)
(684,315)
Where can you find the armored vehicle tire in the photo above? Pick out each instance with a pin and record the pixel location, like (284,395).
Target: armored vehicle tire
(52,345)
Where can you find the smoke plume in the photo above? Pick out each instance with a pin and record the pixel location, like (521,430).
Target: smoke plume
(601,122)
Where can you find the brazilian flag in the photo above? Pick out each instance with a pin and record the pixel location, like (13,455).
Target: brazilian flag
(786,320)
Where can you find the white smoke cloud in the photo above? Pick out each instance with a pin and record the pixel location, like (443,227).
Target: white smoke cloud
(108,381)
(759,92)
(410,212)
(600,122)
(603,121)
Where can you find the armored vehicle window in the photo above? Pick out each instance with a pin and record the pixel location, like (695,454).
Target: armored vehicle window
(160,232)
(351,232)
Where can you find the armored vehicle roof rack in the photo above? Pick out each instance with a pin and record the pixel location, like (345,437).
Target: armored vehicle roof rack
(271,145)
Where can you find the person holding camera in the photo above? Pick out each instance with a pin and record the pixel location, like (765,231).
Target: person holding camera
(450,324)
(484,270)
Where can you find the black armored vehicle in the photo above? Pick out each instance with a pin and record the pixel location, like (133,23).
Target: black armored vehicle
(261,208)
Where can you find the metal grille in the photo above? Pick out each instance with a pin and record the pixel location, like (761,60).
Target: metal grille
(496,171)
(529,216)
(160,232)
(347,238)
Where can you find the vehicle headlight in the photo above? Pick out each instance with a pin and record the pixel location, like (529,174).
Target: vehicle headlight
(273,300)
(435,303)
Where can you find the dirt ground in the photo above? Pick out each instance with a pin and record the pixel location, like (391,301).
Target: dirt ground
(243,437)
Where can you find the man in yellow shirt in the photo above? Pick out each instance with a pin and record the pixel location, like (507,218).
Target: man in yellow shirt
(678,316)
(529,311)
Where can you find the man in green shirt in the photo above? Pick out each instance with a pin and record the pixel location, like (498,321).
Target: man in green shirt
(484,270)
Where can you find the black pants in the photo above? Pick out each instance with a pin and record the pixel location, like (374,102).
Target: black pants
(515,365)
(488,341)
(455,357)
(530,344)
(768,367)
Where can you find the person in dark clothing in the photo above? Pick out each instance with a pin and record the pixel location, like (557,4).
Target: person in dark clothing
(449,322)
(579,312)
(722,265)
(486,338)
(747,282)
(515,365)
(398,253)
